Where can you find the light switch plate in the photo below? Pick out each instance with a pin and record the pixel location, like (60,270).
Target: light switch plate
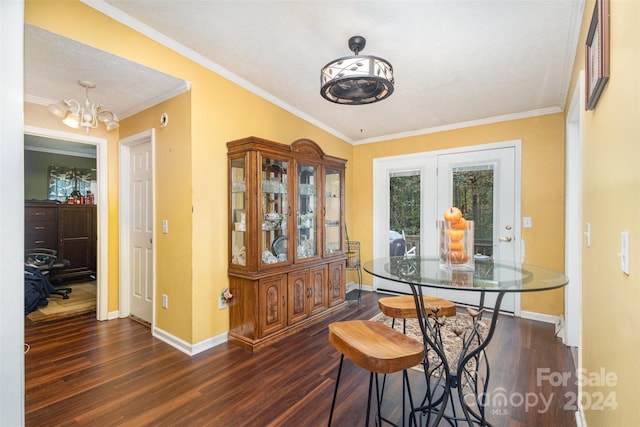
(165,226)
(526,222)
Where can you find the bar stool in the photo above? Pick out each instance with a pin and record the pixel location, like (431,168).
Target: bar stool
(404,307)
(377,348)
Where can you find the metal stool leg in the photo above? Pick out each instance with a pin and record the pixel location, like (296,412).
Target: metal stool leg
(366,423)
(359,284)
(335,392)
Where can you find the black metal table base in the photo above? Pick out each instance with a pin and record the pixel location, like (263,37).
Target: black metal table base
(455,394)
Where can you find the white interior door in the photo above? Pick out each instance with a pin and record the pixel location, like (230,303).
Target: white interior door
(141,231)
(482,183)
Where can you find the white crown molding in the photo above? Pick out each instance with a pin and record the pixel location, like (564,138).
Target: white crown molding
(128,112)
(123,18)
(154,101)
(461,125)
(38,100)
(572,46)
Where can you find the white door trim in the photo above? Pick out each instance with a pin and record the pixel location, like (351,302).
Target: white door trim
(124,179)
(573,217)
(102,202)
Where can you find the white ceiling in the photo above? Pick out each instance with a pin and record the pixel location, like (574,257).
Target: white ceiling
(456,62)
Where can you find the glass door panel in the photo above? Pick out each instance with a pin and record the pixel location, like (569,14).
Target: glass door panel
(405,213)
(238,212)
(274,211)
(307,212)
(473,194)
(332,211)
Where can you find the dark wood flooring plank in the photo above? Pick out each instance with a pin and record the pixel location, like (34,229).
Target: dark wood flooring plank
(81,372)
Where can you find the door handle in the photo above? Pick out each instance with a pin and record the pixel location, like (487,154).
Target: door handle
(505,239)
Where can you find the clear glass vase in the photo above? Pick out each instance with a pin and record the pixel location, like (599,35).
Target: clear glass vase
(455,245)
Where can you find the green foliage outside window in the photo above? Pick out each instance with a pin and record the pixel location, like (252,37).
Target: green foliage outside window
(404,192)
(473,194)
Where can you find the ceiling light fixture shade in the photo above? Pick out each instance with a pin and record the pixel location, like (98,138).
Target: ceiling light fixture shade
(85,114)
(356,80)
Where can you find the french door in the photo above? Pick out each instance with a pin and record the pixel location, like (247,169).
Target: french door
(484,181)
(482,184)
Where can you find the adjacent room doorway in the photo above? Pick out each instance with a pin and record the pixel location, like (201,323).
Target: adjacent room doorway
(102,207)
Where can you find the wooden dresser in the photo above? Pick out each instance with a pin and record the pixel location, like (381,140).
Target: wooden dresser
(68,229)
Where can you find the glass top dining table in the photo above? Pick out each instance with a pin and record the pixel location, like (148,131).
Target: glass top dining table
(468,371)
(487,276)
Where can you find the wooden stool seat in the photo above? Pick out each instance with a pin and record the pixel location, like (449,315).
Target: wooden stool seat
(374,346)
(378,349)
(404,306)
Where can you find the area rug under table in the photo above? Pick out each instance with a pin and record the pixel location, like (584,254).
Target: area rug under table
(451,342)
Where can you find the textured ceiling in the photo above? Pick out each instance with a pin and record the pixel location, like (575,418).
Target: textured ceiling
(456,62)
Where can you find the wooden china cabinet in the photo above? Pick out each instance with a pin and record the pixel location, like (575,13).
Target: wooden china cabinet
(286,222)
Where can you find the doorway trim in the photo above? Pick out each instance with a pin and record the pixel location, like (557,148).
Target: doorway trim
(124,180)
(102,202)
(573,218)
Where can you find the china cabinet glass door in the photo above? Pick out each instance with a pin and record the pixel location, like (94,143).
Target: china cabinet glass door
(332,211)
(306,205)
(238,212)
(275,209)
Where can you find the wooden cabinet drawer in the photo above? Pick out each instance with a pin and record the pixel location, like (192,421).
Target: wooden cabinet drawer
(40,226)
(49,241)
(41,213)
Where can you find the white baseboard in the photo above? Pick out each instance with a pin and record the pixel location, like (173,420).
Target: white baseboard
(560,329)
(185,347)
(580,420)
(540,317)
(353,286)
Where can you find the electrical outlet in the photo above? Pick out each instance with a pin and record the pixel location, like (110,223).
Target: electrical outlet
(222,303)
(165,301)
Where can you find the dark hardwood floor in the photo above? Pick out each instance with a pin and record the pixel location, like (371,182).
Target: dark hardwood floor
(83,372)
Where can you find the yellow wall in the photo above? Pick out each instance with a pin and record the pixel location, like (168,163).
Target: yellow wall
(611,204)
(221,111)
(172,202)
(542,188)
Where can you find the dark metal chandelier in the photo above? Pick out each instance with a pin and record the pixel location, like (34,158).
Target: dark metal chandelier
(356,80)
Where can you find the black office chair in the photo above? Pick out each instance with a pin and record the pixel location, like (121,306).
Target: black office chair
(47,261)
